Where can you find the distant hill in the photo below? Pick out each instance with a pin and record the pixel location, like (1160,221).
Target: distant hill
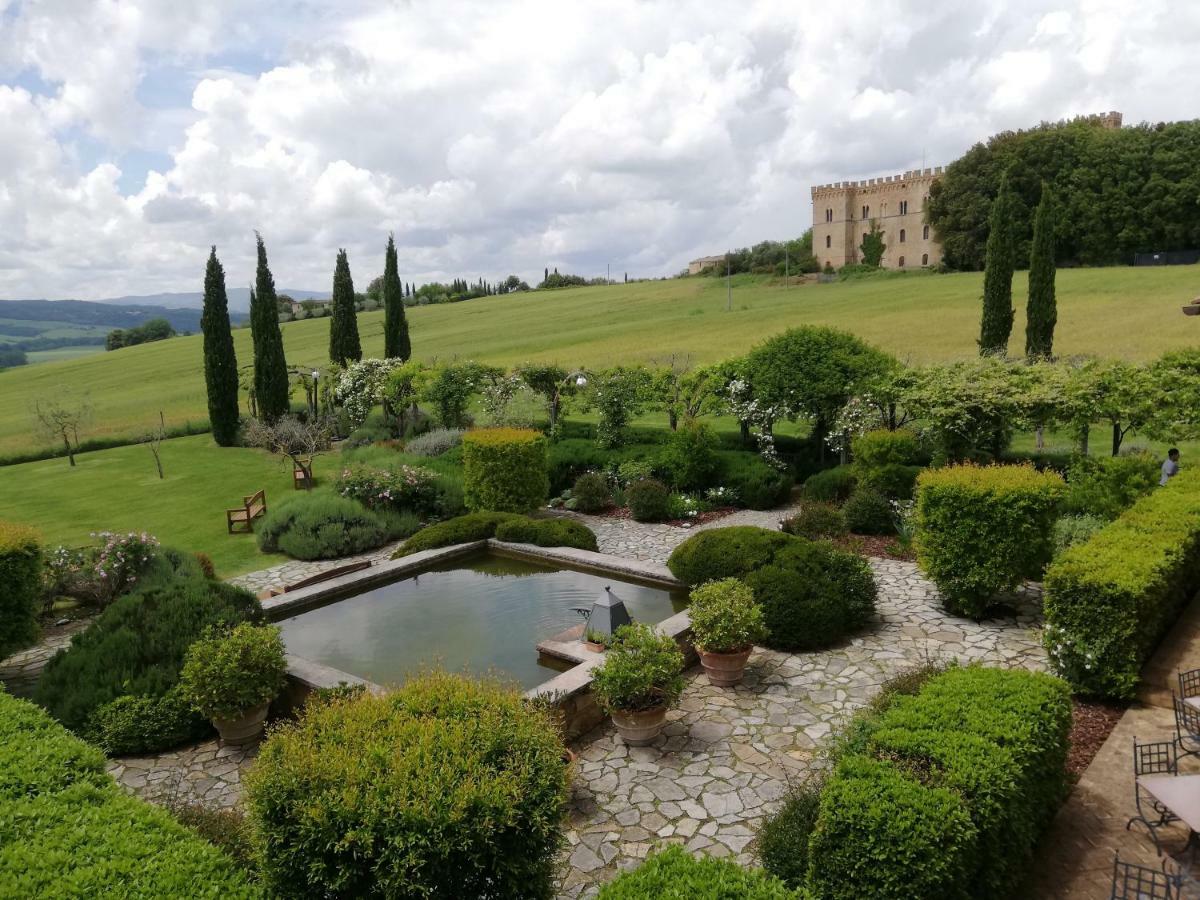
(239,298)
(49,313)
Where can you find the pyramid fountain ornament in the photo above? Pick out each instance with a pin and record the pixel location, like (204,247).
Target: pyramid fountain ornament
(603,617)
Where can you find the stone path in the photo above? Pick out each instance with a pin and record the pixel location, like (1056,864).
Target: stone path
(206,773)
(19,672)
(276,577)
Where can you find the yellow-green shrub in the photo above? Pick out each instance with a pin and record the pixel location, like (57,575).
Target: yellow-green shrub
(1110,599)
(445,788)
(504,469)
(982,529)
(20,586)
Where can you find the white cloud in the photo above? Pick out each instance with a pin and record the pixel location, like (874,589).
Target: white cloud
(496,138)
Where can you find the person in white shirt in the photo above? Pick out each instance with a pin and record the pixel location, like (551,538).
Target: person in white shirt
(1170,466)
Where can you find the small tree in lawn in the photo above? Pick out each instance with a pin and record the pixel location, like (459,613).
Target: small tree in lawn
(553,384)
(220,360)
(292,438)
(872,245)
(271,387)
(1041,311)
(344,345)
(59,420)
(396,342)
(618,395)
(153,440)
(997,321)
(684,393)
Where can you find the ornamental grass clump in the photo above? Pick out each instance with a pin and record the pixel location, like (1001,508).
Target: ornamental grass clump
(225,674)
(447,787)
(981,530)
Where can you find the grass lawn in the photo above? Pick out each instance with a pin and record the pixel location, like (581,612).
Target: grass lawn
(119,490)
(1123,312)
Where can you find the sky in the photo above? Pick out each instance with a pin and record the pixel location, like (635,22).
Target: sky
(505,136)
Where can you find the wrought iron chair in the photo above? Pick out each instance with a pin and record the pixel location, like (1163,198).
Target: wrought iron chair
(1187,725)
(1133,882)
(1189,683)
(1156,758)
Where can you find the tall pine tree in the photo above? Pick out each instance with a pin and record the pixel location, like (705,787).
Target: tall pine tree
(396,343)
(1041,311)
(344,346)
(270,365)
(997,277)
(220,360)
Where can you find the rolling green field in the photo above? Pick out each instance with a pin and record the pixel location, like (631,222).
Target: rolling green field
(119,490)
(1125,312)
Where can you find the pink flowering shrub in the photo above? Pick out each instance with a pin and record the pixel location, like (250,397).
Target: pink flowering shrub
(100,573)
(408,488)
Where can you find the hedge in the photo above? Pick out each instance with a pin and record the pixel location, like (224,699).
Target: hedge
(674,874)
(504,469)
(503,527)
(547,533)
(116,682)
(67,830)
(446,787)
(951,792)
(1110,599)
(321,525)
(812,594)
(21,578)
(831,485)
(981,530)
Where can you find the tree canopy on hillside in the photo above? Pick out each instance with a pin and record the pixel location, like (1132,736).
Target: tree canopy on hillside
(1119,191)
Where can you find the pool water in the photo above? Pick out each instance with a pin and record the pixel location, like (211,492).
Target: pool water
(483,615)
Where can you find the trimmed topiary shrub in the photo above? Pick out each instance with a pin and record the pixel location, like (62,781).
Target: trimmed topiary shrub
(689,458)
(675,873)
(894,481)
(1110,599)
(317,525)
(1105,486)
(816,521)
(830,485)
(67,830)
(756,484)
(949,791)
(504,469)
(461,530)
(135,649)
(20,586)
(882,447)
(725,617)
(445,788)
(811,593)
(982,529)
(547,533)
(782,840)
(648,500)
(591,493)
(869,512)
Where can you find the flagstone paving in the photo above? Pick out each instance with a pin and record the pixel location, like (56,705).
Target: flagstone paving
(727,754)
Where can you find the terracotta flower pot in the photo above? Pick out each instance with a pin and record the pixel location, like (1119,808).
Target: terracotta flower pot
(639,727)
(245,729)
(724,669)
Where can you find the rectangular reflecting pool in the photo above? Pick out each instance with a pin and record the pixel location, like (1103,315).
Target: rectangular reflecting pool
(480,614)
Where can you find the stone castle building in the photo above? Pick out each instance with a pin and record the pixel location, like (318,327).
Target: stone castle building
(843,213)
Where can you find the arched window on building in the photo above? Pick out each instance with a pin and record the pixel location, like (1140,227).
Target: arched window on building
(904,207)
(902,235)
(925,233)
(866,212)
(902,262)
(829,215)
(924,259)
(828,242)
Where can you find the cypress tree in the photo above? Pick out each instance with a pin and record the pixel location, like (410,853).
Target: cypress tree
(270,365)
(997,277)
(220,360)
(395,324)
(344,345)
(1041,311)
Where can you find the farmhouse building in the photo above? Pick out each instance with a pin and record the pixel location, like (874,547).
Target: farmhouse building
(696,266)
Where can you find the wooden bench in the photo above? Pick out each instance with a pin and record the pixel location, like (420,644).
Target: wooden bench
(302,474)
(242,518)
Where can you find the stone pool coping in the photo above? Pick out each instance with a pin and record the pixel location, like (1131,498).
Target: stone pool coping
(569,691)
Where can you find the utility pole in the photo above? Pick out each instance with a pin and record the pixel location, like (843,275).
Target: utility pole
(786,282)
(728,284)
(608,272)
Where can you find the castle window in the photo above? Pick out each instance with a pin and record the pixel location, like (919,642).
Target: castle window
(829,215)
(924,259)
(866,211)
(902,235)
(925,233)
(828,242)
(903,209)
(902,262)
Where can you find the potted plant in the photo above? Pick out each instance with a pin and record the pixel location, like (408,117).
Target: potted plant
(233,676)
(726,621)
(640,678)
